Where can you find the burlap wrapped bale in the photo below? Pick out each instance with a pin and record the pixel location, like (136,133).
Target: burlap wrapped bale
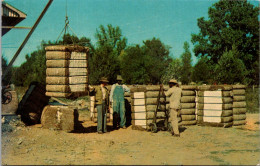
(188,99)
(150,115)
(58,94)
(239,117)
(57,55)
(188,93)
(214,87)
(150,108)
(187,105)
(57,80)
(60,118)
(188,111)
(239,122)
(58,88)
(188,87)
(237,111)
(239,104)
(188,117)
(239,92)
(238,86)
(239,98)
(187,123)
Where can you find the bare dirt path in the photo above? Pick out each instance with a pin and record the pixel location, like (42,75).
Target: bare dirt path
(197,145)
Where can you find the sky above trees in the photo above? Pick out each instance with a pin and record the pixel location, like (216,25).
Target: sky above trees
(172,21)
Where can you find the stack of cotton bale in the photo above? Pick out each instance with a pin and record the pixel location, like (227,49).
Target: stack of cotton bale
(67,70)
(138,107)
(215,105)
(152,93)
(188,116)
(239,105)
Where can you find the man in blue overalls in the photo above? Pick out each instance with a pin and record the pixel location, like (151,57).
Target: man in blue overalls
(118,100)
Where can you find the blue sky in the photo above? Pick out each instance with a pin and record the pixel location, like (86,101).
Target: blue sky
(172,21)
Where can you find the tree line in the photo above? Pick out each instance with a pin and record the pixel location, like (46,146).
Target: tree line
(227,49)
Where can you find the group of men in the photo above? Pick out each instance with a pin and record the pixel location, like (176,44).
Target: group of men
(116,99)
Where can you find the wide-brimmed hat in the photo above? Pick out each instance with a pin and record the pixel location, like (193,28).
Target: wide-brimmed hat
(173,81)
(103,79)
(119,78)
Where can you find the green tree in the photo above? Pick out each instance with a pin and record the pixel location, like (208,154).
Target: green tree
(186,67)
(230,69)
(7,79)
(106,58)
(172,72)
(230,23)
(156,59)
(203,71)
(111,36)
(132,66)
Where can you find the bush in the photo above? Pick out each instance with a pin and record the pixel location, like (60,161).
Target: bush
(252,100)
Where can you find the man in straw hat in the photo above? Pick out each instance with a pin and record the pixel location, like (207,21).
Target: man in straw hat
(175,105)
(118,100)
(101,101)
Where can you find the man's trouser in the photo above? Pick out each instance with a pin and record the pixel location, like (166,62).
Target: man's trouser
(174,120)
(102,117)
(119,111)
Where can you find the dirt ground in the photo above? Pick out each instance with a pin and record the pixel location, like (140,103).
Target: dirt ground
(197,145)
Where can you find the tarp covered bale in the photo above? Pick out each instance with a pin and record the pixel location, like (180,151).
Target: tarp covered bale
(31,106)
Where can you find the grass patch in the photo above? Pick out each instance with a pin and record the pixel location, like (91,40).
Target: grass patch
(219,160)
(252,100)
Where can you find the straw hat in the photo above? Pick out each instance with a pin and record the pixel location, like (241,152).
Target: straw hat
(103,79)
(119,78)
(173,81)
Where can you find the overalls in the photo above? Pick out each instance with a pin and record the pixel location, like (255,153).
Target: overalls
(119,106)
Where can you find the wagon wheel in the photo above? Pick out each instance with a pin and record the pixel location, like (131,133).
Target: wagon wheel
(153,128)
(7,98)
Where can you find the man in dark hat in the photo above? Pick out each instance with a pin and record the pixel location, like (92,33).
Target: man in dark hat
(118,100)
(175,105)
(101,101)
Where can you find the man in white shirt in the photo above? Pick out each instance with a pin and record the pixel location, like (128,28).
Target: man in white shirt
(118,100)
(175,105)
